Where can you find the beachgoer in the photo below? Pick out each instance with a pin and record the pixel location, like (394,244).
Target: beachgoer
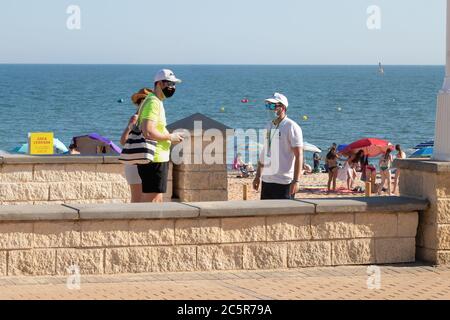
(368,171)
(348,172)
(251,169)
(152,121)
(331,163)
(131,171)
(241,166)
(307,169)
(400,155)
(73,148)
(333,146)
(316,161)
(280,162)
(385,171)
(355,166)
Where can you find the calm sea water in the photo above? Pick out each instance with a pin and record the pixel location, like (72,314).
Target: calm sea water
(342,103)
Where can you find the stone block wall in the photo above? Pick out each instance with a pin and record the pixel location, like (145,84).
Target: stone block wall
(430,180)
(30,180)
(171,237)
(193,182)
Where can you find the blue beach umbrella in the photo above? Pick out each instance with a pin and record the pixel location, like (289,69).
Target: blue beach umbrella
(341,147)
(425,144)
(423,153)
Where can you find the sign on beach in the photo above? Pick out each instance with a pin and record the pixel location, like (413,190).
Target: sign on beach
(40,143)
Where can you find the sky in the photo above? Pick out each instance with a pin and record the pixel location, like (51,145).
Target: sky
(305,32)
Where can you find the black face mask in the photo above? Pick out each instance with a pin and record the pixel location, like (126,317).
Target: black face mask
(168,92)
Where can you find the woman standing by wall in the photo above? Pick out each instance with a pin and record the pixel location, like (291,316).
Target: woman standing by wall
(385,171)
(400,155)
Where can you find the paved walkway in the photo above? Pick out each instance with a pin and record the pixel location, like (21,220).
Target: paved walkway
(409,281)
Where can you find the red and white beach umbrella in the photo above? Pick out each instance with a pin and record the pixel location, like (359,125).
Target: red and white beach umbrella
(372,147)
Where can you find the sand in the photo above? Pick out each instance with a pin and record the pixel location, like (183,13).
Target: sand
(311,186)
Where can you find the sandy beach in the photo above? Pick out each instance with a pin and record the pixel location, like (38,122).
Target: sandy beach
(311,186)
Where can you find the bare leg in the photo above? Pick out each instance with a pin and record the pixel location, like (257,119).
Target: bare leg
(396,179)
(374,180)
(389,179)
(152,197)
(330,177)
(383,181)
(136,192)
(335,173)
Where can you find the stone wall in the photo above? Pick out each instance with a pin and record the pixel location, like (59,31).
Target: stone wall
(241,235)
(430,180)
(64,179)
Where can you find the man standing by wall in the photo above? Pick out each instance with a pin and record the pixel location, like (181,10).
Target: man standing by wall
(281,161)
(152,121)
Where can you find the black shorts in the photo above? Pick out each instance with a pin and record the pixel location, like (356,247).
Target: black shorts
(273,191)
(154,177)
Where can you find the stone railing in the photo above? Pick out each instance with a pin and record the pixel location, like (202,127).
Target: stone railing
(64,179)
(133,238)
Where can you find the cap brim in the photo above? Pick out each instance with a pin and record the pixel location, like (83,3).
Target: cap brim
(271,100)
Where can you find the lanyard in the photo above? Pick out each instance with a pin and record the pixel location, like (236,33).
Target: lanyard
(270,137)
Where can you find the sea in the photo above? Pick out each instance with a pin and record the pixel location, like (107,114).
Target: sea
(337,104)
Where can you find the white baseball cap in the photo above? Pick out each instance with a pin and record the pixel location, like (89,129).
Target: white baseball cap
(278,98)
(166,74)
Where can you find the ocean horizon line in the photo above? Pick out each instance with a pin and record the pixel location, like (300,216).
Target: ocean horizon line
(231,65)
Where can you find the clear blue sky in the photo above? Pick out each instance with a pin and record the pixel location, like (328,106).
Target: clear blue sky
(223,32)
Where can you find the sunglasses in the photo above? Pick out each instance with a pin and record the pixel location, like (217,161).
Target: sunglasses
(272,106)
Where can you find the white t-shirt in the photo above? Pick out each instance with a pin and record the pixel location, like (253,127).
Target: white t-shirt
(277,155)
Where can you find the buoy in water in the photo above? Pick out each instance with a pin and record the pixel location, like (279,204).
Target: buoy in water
(222,109)
(305,118)
(120,101)
(339,109)
(244,100)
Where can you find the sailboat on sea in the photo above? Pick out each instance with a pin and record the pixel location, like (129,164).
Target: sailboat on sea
(380,68)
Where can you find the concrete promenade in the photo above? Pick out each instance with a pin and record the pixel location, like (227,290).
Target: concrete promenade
(406,281)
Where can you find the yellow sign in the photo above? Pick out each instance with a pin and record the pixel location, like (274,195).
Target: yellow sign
(40,143)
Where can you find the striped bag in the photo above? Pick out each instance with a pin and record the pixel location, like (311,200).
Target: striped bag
(137,149)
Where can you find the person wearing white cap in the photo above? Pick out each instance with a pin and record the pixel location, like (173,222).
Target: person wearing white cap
(280,163)
(152,121)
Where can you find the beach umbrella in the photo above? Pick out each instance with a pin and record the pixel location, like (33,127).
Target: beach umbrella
(425,144)
(341,147)
(94,143)
(308,147)
(58,146)
(423,153)
(372,147)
